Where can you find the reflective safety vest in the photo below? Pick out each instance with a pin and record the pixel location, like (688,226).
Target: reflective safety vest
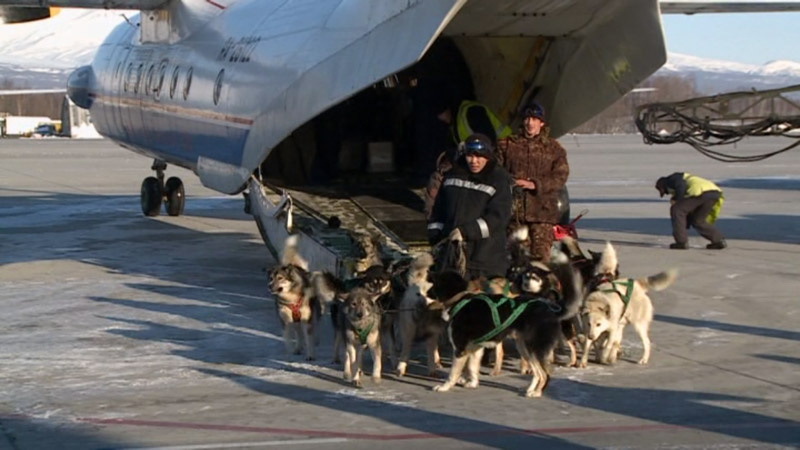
(696,186)
(463,128)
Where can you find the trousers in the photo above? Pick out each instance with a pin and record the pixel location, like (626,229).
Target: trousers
(693,211)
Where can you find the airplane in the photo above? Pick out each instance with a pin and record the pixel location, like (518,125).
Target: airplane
(236,89)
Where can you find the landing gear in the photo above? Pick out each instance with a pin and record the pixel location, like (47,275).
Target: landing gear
(174,196)
(151,196)
(155,192)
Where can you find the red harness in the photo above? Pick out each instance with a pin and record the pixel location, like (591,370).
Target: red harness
(295,307)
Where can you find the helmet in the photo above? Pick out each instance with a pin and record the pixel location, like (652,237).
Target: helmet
(478,144)
(534,109)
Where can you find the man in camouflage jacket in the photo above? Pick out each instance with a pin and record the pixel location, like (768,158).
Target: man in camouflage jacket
(538,164)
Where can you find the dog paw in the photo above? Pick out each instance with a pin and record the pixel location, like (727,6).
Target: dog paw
(441,387)
(401,369)
(643,361)
(471,384)
(376,380)
(495,372)
(357,384)
(530,393)
(461,381)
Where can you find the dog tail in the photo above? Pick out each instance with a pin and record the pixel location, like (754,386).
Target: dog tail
(658,281)
(570,246)
(571,289)
(291,254)
(608,261)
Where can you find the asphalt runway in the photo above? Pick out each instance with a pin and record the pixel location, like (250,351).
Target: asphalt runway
(121,331)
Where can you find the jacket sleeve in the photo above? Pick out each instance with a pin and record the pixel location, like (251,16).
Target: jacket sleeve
(502,149)
(436,219)
(496,214)
(559,172)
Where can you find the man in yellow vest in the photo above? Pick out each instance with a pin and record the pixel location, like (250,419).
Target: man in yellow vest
(695,202)
(474,117)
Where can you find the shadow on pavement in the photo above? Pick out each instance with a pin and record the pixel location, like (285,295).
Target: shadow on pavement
(684,409)
(428,424)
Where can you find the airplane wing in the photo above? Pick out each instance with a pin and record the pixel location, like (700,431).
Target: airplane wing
(695,7)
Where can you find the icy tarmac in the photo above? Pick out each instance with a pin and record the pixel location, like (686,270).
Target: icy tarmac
(121,331)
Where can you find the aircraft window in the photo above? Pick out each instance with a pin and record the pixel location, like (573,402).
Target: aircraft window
(148,85)
(128,74)
(188,83)
(139,71)
(161,72)
(174,83)
(218,86)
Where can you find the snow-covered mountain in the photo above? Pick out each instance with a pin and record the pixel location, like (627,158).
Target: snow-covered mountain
(714,76)
(41,54)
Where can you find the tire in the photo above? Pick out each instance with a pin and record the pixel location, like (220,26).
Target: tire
(563,207)
(151,197)
(174,196)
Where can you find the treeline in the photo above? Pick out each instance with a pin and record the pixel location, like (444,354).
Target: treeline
(619,117)
(48,105)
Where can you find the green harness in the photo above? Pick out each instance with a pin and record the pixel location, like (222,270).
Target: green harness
(626,298)
(500,326)
(364,333)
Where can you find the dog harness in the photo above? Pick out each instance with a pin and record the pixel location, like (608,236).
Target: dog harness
(499,327)
(363,333)
(626,298)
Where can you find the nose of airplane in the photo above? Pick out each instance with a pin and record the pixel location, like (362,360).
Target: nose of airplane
(78,86)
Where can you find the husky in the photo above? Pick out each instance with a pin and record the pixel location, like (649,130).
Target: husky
(479,321)
(295,301)
(330,292)
(613,304)
(369,249)
(360,327)
(415,321)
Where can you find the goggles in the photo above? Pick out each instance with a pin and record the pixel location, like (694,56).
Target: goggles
(476,147)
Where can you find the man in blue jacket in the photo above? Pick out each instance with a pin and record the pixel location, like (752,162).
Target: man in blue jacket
(474,205)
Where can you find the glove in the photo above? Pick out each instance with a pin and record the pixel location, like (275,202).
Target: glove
(455,235)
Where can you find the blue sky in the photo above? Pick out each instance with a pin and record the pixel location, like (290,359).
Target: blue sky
(751,38)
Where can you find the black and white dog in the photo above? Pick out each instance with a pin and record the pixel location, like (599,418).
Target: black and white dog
(479,321)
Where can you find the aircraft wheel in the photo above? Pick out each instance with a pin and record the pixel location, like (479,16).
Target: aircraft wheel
(563,206)
(175,196)
(151,196)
